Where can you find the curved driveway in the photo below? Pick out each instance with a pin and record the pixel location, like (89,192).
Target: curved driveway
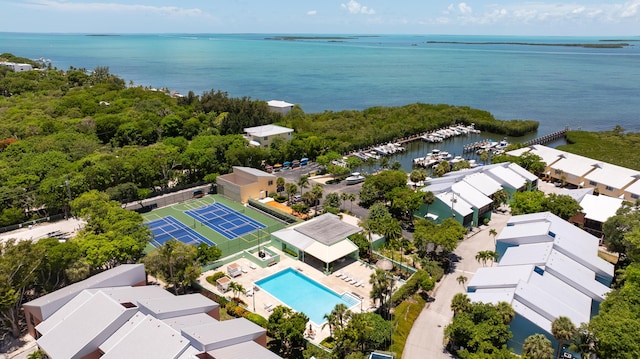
(427,334)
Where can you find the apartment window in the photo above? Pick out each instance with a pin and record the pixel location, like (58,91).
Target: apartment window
(270,182)
(266,138)
(593,183)
(608,188)
(558,172)
(635,196)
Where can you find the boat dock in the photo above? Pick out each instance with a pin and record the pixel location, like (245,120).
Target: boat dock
(548,138)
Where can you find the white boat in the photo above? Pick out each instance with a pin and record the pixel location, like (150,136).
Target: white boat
(355,177)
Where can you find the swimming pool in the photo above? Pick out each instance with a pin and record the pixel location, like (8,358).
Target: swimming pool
(303,294)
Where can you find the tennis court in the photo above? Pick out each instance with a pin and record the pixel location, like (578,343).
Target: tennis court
(168,227)
(224,220)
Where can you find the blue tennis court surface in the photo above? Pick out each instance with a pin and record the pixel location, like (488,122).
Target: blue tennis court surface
(168,227)
(224,220)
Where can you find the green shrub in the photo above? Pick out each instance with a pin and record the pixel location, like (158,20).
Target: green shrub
(328,342)
(230,305)
(405,315)
(238,312)
(280,198)
(257,319)
(214,277)
(411,286)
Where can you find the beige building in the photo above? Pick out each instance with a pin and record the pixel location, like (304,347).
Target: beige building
(245,182)
(263,136)
(583,172)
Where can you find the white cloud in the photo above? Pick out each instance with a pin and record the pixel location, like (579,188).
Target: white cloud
(355,7)
(112,7)
(541,12)
(312,12)
(464,8)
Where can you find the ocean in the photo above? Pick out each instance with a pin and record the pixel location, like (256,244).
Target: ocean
(581,88)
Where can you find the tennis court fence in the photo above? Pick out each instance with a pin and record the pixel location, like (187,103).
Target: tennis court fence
(286,217)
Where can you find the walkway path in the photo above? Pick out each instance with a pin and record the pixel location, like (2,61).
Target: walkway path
(427,334)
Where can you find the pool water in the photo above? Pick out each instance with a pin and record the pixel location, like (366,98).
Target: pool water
(305,295)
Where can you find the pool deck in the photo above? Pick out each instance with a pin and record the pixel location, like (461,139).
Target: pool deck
(262,299)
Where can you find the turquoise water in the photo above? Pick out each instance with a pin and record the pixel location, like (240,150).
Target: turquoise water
(592,89)
(303,294)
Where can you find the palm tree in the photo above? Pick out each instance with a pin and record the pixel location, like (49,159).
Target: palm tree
(563,330)
(280,184)
(583,341)
(351,197)
(428,198)
(291,189)
(460,303)
(493,233)
(303,183)
(236,288)
(482,257)
(317,191)
(492,255)
(338,316)
(381,285)
(344,196)
(462,280)
(505,311)
(537,346)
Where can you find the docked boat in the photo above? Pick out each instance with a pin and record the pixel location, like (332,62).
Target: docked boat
(355,178)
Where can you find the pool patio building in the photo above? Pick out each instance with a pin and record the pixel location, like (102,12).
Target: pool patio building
(324,238)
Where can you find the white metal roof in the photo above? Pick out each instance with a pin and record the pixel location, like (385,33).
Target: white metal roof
(122,275)
(216,335)
(53,320)
(80,333)
(150,338)
(185,321)
(576,275)
(249,349)
(476,198)
(267,130)
(522,172)
(506,177)
(133,294)
(173,306)
(612,175)
(600,208)
(634,188)
(524,233)
(493,296)
(294,238)
(574,165)
(460,206)
(253,171)
(483,183)
(500,277)
(550,295)
(279,103)
(537,253)
(122,332)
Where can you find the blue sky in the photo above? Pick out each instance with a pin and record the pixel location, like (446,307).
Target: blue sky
(481,17)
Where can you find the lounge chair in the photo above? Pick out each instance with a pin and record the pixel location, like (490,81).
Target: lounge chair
(346,277)
(339,274)
(268,307)
(252,266)
(249,293)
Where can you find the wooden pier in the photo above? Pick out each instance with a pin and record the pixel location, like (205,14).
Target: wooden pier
(548,138)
